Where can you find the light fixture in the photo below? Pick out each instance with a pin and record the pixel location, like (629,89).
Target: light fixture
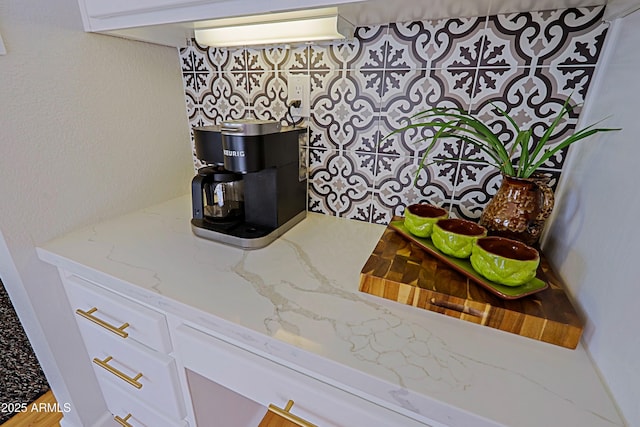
(273,29)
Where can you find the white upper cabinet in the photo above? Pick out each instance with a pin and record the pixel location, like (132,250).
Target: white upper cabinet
(110,9)
(171,22)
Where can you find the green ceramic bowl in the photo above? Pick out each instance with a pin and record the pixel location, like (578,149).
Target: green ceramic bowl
(504,261)
(455,237)
(419,218)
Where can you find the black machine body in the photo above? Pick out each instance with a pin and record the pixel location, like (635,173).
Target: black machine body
(252,190)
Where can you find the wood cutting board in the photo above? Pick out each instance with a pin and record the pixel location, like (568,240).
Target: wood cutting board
(400,270)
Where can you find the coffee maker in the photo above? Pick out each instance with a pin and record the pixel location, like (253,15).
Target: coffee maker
(252,188)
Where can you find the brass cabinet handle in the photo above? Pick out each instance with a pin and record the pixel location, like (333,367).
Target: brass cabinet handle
(284,413)
(104,364)
(123,421)
(116,330)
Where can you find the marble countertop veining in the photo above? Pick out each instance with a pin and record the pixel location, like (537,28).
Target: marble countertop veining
(297,302)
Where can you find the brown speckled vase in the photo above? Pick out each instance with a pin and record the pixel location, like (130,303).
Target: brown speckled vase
(519,209)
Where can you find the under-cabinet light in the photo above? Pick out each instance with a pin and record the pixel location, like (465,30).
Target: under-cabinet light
(315,28)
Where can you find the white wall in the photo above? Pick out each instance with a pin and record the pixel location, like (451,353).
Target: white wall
(90,126)
(594,238)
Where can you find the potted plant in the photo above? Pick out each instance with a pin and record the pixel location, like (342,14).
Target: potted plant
(524,200)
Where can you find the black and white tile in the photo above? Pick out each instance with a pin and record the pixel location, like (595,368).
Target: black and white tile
(361,90)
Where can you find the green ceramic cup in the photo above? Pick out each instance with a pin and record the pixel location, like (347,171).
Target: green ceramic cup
(504,261)
(419,218)
(455,237)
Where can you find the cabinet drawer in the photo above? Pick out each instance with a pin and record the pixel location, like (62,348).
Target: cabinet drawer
(267,382)
(114,315)
(135,412)
(136,370)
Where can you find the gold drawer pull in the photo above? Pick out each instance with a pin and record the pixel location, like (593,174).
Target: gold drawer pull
(89,316)
(104,364)
(284,413)
(123,421)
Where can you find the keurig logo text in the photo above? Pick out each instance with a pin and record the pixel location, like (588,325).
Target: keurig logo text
(233,153)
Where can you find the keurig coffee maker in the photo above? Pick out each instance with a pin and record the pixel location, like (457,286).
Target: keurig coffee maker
(251,190)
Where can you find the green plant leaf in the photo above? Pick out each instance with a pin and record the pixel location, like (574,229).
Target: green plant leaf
(522,141)
(566,109)
(584,133)
(476,128)
(507,116)
(439,134)
(457,123)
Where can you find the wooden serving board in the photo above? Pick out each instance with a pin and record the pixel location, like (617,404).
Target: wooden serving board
(464,267)
(400,270)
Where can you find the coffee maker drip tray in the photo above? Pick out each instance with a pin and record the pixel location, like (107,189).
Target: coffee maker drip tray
(242,234)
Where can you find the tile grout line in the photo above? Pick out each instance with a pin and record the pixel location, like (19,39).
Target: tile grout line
(474,82)
(377,132)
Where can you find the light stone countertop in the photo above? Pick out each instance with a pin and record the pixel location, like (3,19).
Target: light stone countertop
(297,302)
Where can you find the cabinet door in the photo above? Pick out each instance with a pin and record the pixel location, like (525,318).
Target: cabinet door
(104,9)
(112,8)
(170,22)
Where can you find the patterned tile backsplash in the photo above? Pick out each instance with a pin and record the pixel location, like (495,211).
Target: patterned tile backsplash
(361,90)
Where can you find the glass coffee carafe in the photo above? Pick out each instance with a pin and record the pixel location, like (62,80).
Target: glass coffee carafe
(222,193)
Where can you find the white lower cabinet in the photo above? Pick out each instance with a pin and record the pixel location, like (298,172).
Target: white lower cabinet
(155,370)
(129,349)
(256,383)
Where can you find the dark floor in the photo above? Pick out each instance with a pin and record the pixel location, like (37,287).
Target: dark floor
(21,377)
